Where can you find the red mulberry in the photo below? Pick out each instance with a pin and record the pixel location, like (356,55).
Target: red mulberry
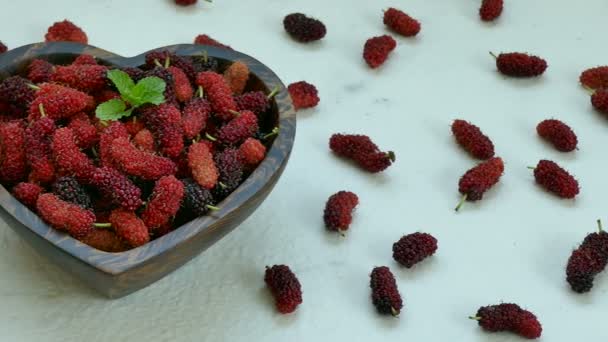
(65,31)
(553,178)
(304,29)
(203,39)
(105,240)
(114,131)
(138,163)
(13,165)
(38,150)
(84,77)
(27,193)
(85,59)
(69,160)
(195,116)
(472,139)
(165,121)
(599,100)
(558,134)
(385,294)
(377,49)
(303,95)
(118,187)
(144,140)
(236,76)
(59,102)
(518,64)
(413,248)
(509,317)
(40,71)
(595,78)
(202,165)
(589,259)
(185,2)
(476,181)
(218,93)
(252,152)
(164,202)
(490,9)
(183,88)
(129,227)
(240,128)
(401,23)
(255,101)
(65,216)
(362,151)
(339,209)
(85,132)
(285,288)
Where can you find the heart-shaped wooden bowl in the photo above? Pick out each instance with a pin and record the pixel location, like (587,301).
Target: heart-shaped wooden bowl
(118,274)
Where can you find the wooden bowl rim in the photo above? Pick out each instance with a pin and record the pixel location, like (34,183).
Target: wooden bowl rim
(117,263)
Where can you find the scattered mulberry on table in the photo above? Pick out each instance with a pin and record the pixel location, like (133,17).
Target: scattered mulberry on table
(129,227)
(65,31)
(518,64)
(197,200)
(16,90)
(377,49)
(40,71)
(385,294)
(476,181)
(583,265)
(472,140)
(85,132)
(595,78)
(105,240)
(490,9)
(203,39)
(362,151)
(555,179)
(236,76)
(68,189)
(183,88)
(338,210)
(69,160)
(401,22)
(238,129)
(38,150)
(304,29)
(413,248)
(599,100)
(65,216)
(118,188)
(144,140)
(255,101)
(597,241)
(285,288)
(135,162)
(252,152)
(558,134)
(195,116)
(218,93)
(509,317)
(164,202)
(84,77)
(13,166)
(59,102)
(303,95)
(27,193)
(203,167)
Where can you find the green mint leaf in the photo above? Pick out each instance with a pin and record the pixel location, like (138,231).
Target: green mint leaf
(121,80)
(149,90)
(111,109)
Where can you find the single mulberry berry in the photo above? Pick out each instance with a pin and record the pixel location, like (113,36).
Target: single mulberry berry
(65,216)
(65,31)
(138,163)
(304,29)
(185,2)
(595,78)
(134,125)
(203,39)
(218,93)
(13,166)
(472,139)
(252,152)
(68,189)
(236,76)
(85,59)
(599,100)
(40,71)
(167,59)
(118,188)
(144,140)
(129,227)
(583,265)
(85,132)
(112,132)
(303,95)
(476,181)
(163,203)
(58,102)
(339,209)
(385,294)
(183,88)
(195,116)
(413,248)
(69,160)
(362,151)
(377,49)
(38,150)
(255,101)
(3,48)
(555,179)
(84,77)
(203,167)
(597,241)
(558,134)
(197,200)
(105,240)
(509,317)
(518,64)
(490,9)
(401,23)
(27,193)
(17,90)
(165,121)
(230,169)
(285,288)
(244,126)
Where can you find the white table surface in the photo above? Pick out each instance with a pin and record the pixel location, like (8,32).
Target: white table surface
(512,246)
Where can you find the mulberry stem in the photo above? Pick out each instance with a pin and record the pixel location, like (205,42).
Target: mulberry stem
(33,86)
(41,109)
(531,167)
(493,55)
(391,155)
(394,312)
(274,91)
(102,225)
(211,207)
(157,63)
(462,200)
(167,62)
(234,112)
(599,225)
(275,131)
(200,91)
(210,137)
(475,318)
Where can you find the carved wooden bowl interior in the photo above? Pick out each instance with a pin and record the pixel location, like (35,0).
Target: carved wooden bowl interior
(118,274)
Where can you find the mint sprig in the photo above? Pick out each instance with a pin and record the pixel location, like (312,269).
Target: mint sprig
(147,90)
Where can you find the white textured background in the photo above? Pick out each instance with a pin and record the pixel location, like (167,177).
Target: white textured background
(513,246)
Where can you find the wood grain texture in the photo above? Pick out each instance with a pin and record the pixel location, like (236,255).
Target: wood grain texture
(118,274)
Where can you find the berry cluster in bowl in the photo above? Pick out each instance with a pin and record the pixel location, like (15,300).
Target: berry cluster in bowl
(116,157)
